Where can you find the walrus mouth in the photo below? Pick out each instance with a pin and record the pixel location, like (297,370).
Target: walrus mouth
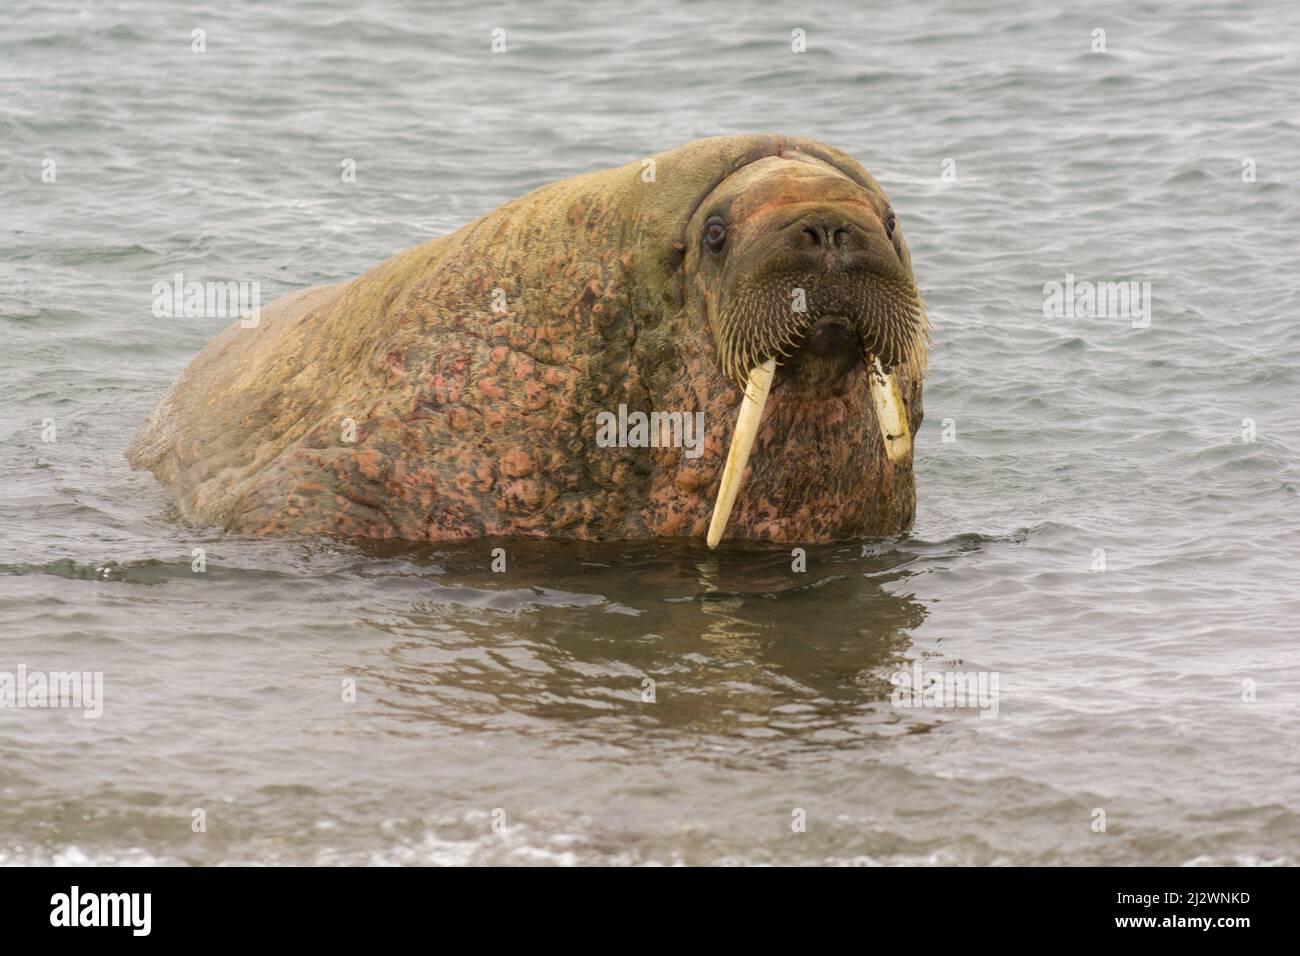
(895,336)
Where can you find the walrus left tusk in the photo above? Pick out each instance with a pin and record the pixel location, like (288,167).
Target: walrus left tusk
(891,415)
(742,441)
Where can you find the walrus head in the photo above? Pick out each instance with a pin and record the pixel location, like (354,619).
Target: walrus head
(798,262)
(795,260)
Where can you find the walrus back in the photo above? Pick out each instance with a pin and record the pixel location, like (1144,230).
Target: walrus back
(194,439)
(250,436)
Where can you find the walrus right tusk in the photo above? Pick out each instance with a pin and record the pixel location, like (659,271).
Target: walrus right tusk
(742,441)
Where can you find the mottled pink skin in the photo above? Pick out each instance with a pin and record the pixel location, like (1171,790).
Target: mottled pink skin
(475,422)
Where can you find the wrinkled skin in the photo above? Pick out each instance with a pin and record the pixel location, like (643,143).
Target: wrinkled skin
(473,422)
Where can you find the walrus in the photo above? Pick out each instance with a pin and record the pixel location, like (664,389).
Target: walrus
(453,391)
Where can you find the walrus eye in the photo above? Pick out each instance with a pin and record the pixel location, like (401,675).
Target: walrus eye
(715,233)
(891,223)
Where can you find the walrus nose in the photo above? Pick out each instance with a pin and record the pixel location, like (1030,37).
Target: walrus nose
(824,233)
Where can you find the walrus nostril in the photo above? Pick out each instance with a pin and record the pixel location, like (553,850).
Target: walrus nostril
(822,235)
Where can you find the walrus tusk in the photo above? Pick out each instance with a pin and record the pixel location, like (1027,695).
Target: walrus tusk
(891,415)
(742,441)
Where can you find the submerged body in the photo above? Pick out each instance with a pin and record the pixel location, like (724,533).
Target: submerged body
(454,390)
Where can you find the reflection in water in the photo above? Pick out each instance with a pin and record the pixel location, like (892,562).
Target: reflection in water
(679,644)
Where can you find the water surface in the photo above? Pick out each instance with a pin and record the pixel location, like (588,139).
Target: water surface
(1120,689)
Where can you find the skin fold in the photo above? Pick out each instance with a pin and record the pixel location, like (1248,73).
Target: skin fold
(476,421)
